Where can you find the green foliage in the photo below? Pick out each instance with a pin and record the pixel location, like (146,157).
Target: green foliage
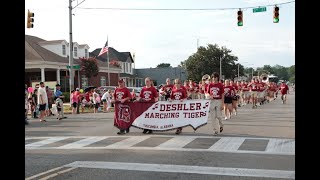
(207,60)
(66,96)
(90,67)
(163,65)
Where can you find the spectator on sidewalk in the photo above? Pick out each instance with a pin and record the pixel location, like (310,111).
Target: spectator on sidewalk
(42,101)
(58,94)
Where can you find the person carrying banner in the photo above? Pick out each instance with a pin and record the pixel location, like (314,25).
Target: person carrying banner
(166,89)
(216,91)
(148,94)
(178,93)
(122,94)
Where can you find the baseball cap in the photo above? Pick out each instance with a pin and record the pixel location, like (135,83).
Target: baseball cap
(77,89)
(57,85)
(120,81)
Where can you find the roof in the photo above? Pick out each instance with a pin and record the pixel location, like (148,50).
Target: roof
(52,42)
(113,55)
(34,52)
(83,45)
(122,75)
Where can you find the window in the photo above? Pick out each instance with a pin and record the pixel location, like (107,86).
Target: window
(75,50)
(86,53)
(63,49)
(123,66)
(130,70)
(84,81)
(103,81)
(126,67)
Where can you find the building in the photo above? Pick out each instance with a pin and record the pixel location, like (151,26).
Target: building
(48,61)
(159,75)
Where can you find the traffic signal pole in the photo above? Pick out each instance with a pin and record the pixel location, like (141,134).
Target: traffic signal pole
(71,82)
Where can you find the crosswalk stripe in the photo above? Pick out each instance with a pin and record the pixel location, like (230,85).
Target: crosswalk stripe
(176,142)
(281,145)
(82,142)
(128,142)
(224,171)
(45,142)
(227,144)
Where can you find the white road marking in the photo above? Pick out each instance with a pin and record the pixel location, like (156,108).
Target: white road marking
(176,142)
(281,145)
(225,171)
(43,173)
(58,173)
(128,142)
(82,142)
(44,142)
(225,144)
(228,144)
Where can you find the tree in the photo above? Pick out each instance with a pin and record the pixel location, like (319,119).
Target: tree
(90,67)
(281,72)
(207,60)
(163,65)
(292,73)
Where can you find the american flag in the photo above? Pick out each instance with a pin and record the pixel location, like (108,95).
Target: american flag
(104,49)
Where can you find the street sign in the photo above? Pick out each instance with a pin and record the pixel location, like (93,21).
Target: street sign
(74,67)
(260,9)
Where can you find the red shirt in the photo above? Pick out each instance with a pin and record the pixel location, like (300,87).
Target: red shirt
(253,87)
(228,91)
(121,93)
(148,94)
(186,87)
(178,94)
(167,88)
(193,87)
(200,88)
(245,87)
(284,89)
(216,90)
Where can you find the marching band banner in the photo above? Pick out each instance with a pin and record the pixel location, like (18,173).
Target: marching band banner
(162,115)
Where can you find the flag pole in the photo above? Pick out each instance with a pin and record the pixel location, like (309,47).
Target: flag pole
(108,63)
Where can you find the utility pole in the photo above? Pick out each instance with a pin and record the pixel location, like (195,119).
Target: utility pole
(71,82)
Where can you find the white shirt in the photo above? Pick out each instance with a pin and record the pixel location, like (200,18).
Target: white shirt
(106,96)
(43,93)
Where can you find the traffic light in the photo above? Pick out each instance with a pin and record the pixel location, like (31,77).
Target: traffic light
(240,18)
(30,19)
(276,14)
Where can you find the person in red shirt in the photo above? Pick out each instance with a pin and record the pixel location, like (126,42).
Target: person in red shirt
(122,94)
(284,90)
(235,97)
(178,94)
(216,91)
(166,89)
(187,88)
(148,94)
(228,96)
(253,89)
(203,85)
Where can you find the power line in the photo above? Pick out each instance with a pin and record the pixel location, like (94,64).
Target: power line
(182,9)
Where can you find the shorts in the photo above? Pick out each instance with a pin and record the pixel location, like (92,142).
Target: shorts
(59,110)
(97,105)
(254,94)
(42,107)
(235,98)
(261,94)
(74,104)
(50,105)
(228,100)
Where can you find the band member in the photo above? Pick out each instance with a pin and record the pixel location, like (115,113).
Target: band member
(166,89)
(193,88)
(228,96)
(284,90)
(246,92)
(180,94)
(234,98)
(122,94)
(253,89)
(216,91)
(148,94)
(203,85)
(187,88)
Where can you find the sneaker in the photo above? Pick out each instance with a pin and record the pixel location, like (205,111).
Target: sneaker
(221,129)
(145,131)
(121,132)
(178,131)
(235,113)
(215,133)
(225,118)
(128,130)
(149,132)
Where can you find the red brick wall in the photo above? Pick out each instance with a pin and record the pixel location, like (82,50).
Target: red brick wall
(95,81)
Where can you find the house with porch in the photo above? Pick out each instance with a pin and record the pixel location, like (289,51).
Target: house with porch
(48,61)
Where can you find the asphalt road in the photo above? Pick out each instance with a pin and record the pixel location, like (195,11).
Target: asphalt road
(255,144)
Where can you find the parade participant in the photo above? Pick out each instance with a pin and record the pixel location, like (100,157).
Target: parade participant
(284,90)
(166,89)
(235,97)
(187,88)
(271,91)
(178,93)
(228,96)
(193,89)
(215,89)
(148,94)
(122,94)
(253,91)
(246,92)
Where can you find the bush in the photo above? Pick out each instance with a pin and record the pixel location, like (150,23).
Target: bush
(66,97)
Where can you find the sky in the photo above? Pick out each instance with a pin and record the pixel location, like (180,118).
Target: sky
(171,36)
